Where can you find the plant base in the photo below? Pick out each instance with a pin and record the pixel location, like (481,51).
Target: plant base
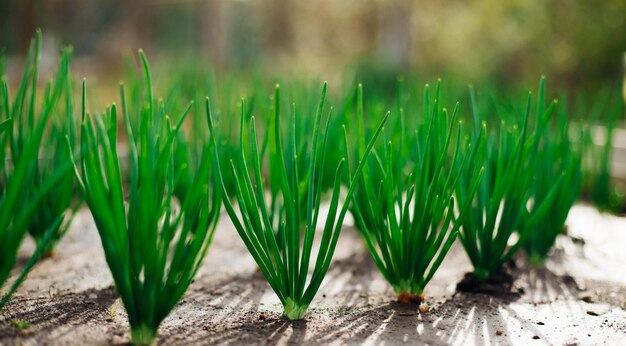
(409,293)
(410,298)
(51,253)
(499,283)
(294,311)
(143,335)
(482,275)
(536,260)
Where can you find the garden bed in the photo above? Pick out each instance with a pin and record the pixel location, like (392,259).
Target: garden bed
(578,299)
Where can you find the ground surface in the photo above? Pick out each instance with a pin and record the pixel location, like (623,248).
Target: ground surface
(578,299)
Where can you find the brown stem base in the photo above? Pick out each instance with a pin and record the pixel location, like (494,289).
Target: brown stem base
(409,298)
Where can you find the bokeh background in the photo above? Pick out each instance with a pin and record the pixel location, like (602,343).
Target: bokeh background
(577,44)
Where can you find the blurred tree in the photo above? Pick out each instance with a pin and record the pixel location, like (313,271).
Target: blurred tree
(508,42)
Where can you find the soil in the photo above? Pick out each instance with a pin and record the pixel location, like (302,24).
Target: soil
(498,284)
(578,298)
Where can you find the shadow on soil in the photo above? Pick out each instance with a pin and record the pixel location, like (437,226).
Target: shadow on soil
(390,323)
(47,313)
(242,321)
(480,317)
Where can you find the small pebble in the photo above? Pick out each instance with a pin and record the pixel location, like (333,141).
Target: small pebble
(499,332)
(571,342)
(424,308)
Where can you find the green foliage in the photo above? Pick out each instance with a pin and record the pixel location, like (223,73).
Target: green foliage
(497,188)
(20,198)
(407,213)
(5,125)
(277,247)
(499,209)
(155,243)
(54,155)
(20,324)
(557,158)
(597,140)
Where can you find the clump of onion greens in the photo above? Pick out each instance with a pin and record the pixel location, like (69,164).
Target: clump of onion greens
(61,198)
(406,211)
(153,244)
(277,247)
(20,199)
(598,181)
(495,226)
(557,159)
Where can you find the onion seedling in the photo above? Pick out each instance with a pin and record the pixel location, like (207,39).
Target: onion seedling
(605,193)
(54,155)
(19,197)
(499,209)
(282,256)
(152,244)
(410,209)
(557,157)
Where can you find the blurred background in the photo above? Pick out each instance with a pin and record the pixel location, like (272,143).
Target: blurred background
(576,44)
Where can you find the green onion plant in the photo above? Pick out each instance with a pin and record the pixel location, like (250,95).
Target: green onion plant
(412,217)
(20,198)
(557,158)
(60,199)
(493,229)
(153,243)
(283,250)
(598,182)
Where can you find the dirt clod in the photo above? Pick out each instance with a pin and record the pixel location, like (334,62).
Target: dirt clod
(587,299)
(498,284)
